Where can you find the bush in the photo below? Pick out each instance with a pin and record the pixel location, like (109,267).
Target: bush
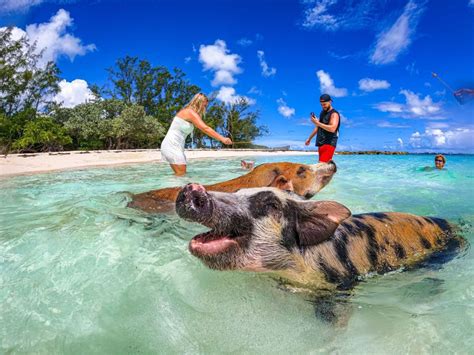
(43,134)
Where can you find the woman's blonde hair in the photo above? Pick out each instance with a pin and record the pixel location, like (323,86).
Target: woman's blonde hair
(198,103)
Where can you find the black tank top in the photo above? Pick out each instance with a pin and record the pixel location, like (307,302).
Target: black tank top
(326,137)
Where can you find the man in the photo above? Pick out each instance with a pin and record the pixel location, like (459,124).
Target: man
(327,129)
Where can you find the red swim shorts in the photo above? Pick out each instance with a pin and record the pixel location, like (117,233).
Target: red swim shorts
(326,152)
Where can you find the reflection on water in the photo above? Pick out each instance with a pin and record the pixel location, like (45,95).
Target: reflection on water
(82,273)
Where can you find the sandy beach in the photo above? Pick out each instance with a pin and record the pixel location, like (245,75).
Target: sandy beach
(20,164)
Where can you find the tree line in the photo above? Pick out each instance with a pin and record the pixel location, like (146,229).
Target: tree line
(132,110)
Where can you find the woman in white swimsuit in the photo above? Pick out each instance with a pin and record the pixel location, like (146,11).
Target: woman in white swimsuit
(172,147)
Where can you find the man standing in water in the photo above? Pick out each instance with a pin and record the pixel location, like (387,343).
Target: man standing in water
(327,129)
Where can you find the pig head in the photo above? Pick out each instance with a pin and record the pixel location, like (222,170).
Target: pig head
(302,179)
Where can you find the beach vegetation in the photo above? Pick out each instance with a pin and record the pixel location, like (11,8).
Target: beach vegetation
(235,120)
(133,109)
(41,135)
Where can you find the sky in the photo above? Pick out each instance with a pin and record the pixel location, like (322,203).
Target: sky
(374,57)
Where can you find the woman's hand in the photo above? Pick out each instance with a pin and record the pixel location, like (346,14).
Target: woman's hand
(227,141)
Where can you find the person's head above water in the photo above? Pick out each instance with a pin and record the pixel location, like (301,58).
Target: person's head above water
(440,160)
(198,103)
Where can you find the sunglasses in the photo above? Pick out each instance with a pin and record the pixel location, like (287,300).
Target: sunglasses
(438,161)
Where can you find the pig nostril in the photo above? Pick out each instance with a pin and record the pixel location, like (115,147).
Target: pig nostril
(199,200)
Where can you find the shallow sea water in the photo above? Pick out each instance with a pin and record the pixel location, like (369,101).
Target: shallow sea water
(82,273)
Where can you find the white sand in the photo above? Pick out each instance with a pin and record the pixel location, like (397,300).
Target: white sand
(20,164)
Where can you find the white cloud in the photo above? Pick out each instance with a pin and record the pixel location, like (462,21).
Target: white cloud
(386,124)
(187,60)
(228,95)
(411,68)
(223,77)
(391,107)
(400,142)
(266,70)
(368,84)
(244,42)
(414,107)
(332,15)
(254,90)
(438,125)
(327,85)
(458,139)
(17,5)
(216,57)
(284,109)
(393,41)
(52,39)
(73,93)
(305,122)
(319,16)
(471,3)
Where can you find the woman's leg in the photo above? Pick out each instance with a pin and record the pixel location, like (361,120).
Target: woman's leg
(179,169)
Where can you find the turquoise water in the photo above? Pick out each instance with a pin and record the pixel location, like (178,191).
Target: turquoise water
(81,273)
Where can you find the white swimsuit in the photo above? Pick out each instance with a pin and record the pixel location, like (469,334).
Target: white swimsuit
(172,147)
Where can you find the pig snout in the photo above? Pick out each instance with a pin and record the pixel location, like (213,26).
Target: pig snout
(194,203)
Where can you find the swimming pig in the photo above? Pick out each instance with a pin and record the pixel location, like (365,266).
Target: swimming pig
(317,244)
(303,179)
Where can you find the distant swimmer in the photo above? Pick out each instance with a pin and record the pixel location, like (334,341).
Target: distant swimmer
(439,160)
(172,147)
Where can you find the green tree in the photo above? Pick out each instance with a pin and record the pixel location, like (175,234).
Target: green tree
(24,83)
(88,124)
(233,120)
(135,129)
(160,92)
(240,124)
(43,134)
(26,86)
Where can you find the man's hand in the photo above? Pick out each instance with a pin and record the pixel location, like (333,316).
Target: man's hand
(227,141)
(315,120)
(308,142)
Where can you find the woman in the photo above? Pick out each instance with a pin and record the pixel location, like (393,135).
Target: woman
(172,147)
(440,160)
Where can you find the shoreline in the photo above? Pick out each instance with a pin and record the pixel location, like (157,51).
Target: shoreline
(37,163)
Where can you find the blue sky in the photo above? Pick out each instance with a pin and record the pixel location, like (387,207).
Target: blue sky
(374,57)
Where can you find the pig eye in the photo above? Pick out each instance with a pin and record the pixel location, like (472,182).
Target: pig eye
(264,203)
(301,171)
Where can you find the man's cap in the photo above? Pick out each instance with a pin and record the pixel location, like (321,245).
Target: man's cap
(325,98)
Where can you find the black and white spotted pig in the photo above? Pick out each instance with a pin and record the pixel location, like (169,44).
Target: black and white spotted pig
(318,244)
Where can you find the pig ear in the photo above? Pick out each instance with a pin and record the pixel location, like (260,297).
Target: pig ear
(318,221)
(282,183)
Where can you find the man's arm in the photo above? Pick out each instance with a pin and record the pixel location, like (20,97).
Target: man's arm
(308,141)
(333,123)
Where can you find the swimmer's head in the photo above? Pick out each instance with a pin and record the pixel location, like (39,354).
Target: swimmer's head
(440,160)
